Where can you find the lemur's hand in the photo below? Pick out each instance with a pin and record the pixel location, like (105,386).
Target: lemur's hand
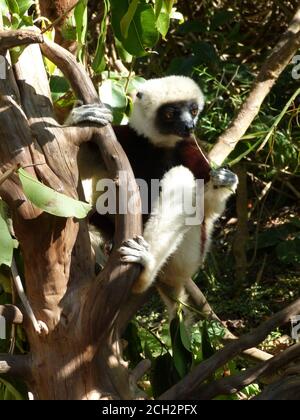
(135,251)
(223,178)
(94,113)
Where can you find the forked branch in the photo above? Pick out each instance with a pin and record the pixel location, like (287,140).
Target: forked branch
(233,384)
(280,57)
(188,388)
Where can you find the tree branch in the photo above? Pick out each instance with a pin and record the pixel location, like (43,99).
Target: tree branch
(287,389)
(189,386)
(116,279)
(16,366)
(233,384)
(11,39)
(208,313)
(280,57)
(12,314)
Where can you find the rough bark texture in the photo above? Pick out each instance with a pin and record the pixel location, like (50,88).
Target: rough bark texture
(81,357)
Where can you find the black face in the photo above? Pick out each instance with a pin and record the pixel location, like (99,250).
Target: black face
(177,118)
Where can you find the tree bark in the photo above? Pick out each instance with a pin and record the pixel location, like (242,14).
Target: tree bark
(81,357)
(54,9)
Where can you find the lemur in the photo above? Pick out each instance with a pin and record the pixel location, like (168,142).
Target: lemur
(158,144)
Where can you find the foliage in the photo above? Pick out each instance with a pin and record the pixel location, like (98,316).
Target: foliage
(221,45)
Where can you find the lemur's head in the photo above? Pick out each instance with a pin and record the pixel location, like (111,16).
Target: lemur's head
(166,110)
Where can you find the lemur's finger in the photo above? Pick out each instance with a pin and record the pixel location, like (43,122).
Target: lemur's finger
(92,113)
(130,251)
(131,243)
(131,259)
(142,242)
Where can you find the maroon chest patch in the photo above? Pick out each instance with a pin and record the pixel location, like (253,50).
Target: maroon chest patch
(193,158)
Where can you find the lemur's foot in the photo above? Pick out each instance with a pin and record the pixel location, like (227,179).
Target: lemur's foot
(136,251)
(224,178)
(94,113)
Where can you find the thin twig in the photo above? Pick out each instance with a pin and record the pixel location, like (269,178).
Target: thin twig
(60,18)
(39,326)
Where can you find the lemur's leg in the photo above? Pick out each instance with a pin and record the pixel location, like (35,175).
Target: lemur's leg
(94,113)
(165,229)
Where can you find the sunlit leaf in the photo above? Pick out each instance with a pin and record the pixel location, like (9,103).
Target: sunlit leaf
(7,243)
(24,5)
(181,356)
(51,201)
(128,18)
(142,33)
(99,63)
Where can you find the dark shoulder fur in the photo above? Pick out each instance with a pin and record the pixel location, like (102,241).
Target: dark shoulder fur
(150,162)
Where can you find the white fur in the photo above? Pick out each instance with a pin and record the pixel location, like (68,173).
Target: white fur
(174,251)
(166,227)
(155,93)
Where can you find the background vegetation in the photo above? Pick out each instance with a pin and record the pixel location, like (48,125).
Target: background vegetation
(253,269)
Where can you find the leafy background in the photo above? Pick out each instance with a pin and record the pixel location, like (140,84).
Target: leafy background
(221,44)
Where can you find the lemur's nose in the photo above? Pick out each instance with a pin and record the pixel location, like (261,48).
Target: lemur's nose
(189,126)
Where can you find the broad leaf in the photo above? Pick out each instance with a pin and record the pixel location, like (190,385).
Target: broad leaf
(207,348)
(142,32)
(7,244)
(163,375)
(128,18)
(51,201)
(24,5)
(181,356)
(99,63)
(13,6)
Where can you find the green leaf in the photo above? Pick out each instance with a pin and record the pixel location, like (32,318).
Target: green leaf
(80,14)
(99,63)
(13,6)
(112,93)
(10,392)
(81,19)
(163,24)
(181,356)
(142,32)
(169,5)
(128,18)
(158,7)
(164,374)
(51,201)
(24,6)
(207,348)
(185,339)
(7,244)
(59,87)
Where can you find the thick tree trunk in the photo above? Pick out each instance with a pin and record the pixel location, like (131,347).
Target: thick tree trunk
(81,357)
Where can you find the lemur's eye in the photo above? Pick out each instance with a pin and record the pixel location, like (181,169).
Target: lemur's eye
(194,112)
(169,115)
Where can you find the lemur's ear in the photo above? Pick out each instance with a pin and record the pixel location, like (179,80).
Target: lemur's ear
(139,95)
